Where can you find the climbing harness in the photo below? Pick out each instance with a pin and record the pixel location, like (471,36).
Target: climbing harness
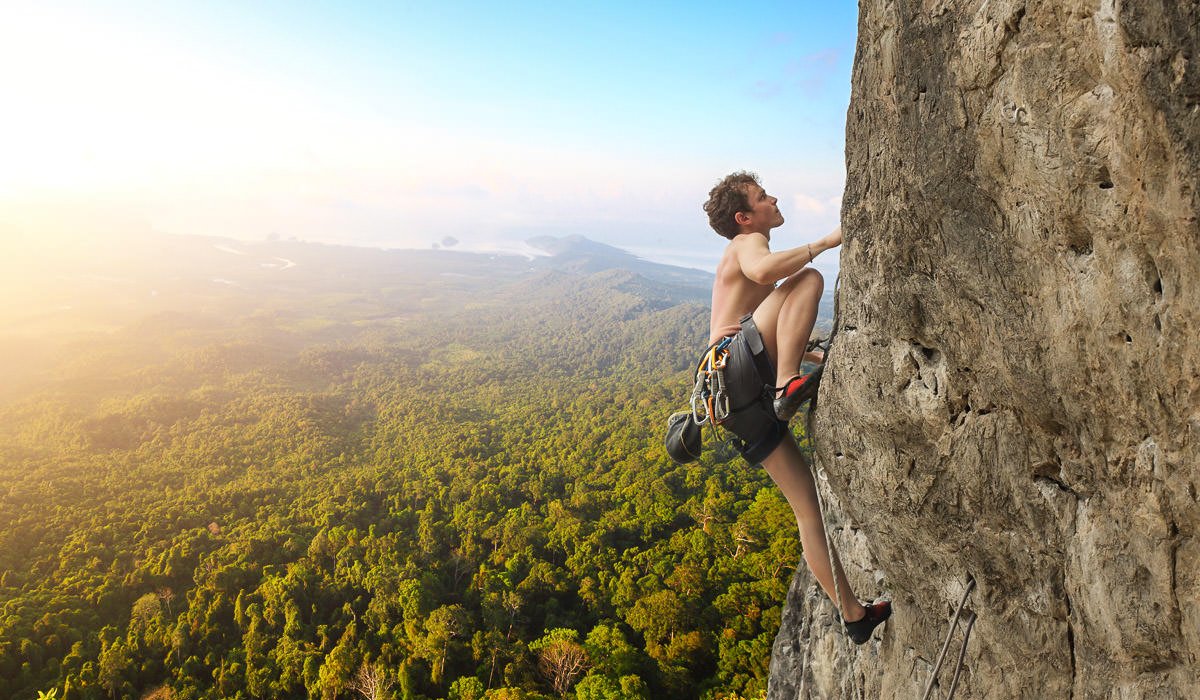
(709,406)
(729,391)
(962,651)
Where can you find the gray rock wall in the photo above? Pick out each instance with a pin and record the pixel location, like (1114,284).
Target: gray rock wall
(1014,392)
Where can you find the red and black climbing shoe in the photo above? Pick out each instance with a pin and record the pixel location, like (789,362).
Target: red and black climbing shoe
(796,392)
(860,630)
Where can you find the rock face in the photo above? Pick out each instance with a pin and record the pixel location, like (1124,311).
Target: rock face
(1013,396)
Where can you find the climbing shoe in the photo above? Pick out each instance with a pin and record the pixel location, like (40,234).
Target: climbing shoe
(796,392)
(860,630)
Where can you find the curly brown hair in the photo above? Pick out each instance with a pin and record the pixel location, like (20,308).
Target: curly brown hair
(727,199)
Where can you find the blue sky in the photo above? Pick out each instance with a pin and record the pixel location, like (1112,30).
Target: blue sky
(396,124)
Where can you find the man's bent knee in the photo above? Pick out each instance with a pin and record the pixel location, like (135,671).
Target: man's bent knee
(808,278)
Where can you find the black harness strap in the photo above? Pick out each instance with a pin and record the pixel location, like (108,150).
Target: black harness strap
(762,361)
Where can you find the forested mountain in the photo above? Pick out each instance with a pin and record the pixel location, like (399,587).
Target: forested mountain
(287,470)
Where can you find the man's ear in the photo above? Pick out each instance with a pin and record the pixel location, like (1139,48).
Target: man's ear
(742,218)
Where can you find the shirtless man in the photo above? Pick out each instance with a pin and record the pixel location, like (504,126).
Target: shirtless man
(768,346)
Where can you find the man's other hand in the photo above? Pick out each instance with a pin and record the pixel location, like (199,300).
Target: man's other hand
(834,239)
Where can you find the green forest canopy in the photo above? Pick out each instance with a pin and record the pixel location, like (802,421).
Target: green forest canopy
(441,487)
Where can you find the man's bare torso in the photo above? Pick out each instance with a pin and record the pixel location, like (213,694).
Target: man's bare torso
(734,295)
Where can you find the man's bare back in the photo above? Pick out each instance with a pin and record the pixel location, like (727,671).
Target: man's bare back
(734,294)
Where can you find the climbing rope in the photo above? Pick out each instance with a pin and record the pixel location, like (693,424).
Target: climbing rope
(962,651)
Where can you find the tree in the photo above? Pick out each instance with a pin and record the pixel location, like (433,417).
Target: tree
(144,610)
(560,658)
(513,602)
(466,688)
(114,661)
(444,625)
(372,682)
(320,549)
(336,670)
(610,653)
(658,617)
(600,687)
(179,640)
(166,595)
(597,686)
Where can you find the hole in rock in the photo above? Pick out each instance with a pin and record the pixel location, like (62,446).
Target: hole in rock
(1158,286)
(1078,239)
(1106,185)
(1048,468)
(1157,323)
(1051,480)
(1128,338)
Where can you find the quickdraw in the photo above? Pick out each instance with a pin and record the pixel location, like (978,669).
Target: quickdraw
(710,400)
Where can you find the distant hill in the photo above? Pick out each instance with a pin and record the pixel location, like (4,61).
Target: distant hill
(580,254)
(63,297)
(107,286)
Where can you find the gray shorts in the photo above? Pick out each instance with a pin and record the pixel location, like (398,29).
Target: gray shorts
(751,399)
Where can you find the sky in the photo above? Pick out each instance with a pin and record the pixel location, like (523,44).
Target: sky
(397,124)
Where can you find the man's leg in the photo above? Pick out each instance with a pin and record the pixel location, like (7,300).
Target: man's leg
(785,321)
(790,472)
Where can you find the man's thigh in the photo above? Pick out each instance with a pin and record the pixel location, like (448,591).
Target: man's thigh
(766,316)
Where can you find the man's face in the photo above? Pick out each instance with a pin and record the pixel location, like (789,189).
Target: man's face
(763,215)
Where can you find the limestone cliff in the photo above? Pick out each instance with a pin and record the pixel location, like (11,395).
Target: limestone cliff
(1014,392)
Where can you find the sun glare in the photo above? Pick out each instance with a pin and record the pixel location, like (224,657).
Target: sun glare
(99,110)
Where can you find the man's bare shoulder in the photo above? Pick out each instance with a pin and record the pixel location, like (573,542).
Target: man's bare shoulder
(731,258)
(750,239)
(728,265)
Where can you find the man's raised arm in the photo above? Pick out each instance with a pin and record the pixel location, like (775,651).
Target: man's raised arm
(762,266)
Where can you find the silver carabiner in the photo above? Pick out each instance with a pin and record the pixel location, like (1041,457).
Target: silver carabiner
(720,398)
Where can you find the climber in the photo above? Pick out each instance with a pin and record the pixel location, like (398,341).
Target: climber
(767,350)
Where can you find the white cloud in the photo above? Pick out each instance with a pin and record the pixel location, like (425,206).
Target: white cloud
(815,205)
